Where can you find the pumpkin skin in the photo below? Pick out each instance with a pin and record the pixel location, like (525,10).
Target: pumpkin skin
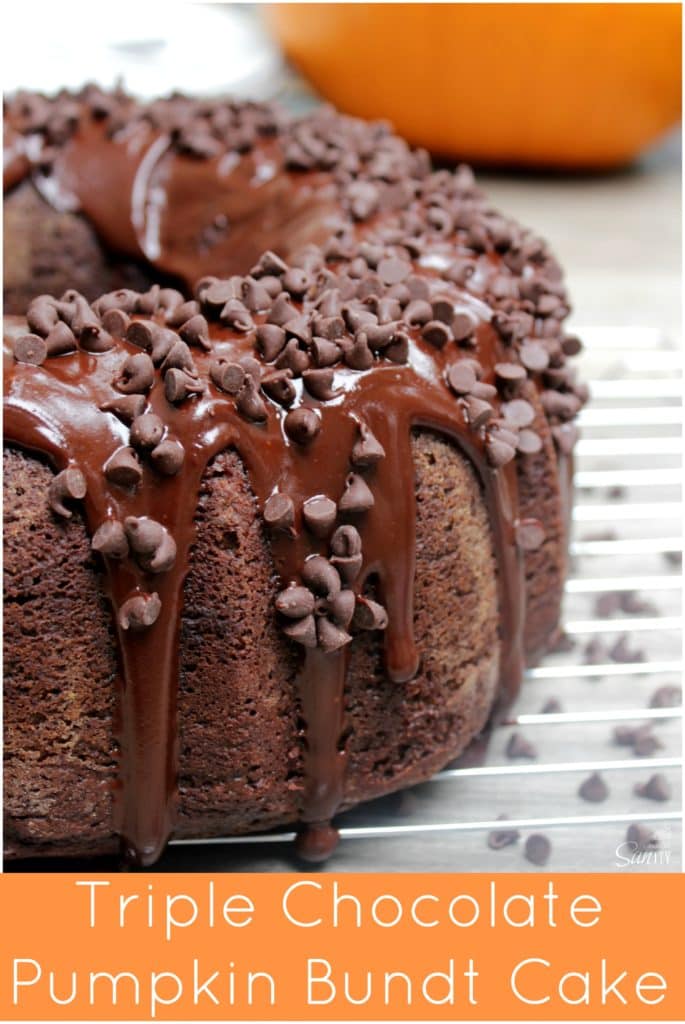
(551,85)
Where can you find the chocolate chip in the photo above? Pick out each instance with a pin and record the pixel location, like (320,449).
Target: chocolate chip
(529,443)
(293,358)
(270,341)
(565,436)
(607,605)
(178,315)
(632,604)
(357,496)
(436,333)
(152,543)
(60,340)
(228,377)
(110,539)
(519,747)
(346,541)
(269,264)
(534,356)
(641,837)
(594,789)
(537,849)
(68,485)
(620,651)
(342,607)
(256,295)
(321,576)
(367,449)
(42,315)
(219,292)
(296,282)
(369,614)
(325,352)
(510,372)
(179,385)
(666,697)
(330,637)
(518,412)
(282,311)
(498,452)
(656,788)
(167,457)
(571,345)
(392,270)
(319,383)
(140,611)
(499,838)
(127,408)
(146,431)
(236,315)
(123,468)
(319,514)
(552,706)
(30,348)
(478,412)
(279,512)
(302,631)
(645,744)
(594,652)
(302,425)
(142,333)
(249,402)
(178,357)
(625,735)
(295,602)
(279,387)
(94,338)
(463,327)
(196,332)
(530,534)
(417,312)
(442,309)
(116,322)
(461,377)
(359,356)
(136,374)
(486,392)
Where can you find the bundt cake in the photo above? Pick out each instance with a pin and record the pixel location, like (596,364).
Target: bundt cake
(278,543)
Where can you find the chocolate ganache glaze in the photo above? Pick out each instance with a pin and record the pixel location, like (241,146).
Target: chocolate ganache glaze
(315,371)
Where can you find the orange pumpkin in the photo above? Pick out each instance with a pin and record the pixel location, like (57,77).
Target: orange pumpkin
(565,85)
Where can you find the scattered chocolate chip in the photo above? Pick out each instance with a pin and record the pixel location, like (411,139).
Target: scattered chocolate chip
(537,849)
(642,838)
(620,651)
(196,332)
(645,744)
(68,485)
(168,457)
(594,789)
(392,270)
(632,604)
(625,735)
(302,425)
(146,431)
(127,408)
(562,643)
(478,412)
(571,345)
(510,372)
(594,652)
(436,333)
(279,387)
(463,327)
(359,356)
(228,377)
(139,611)
(534,356)
(178,357)
(498,452)
(552,706)
(321,576)
(319,383)
(249,402)
(442,309)
(110,539)
(666,697)
(136,375)
(279,511)
(60,340)
(369,614)
(270,341)
(293,358)
(178,315)
(417,313)
(236,315)
(499,838)
(152,543)
(367,449)
(30,348)
(486,392)
(461,377)
(607,605)
(518,413)
(357,496)
(269,264)
(42,315)
(295,602)
(329,636)
(565,436)
(656,788)
(342,607)
(319,515)
(123,468)
(179,385)
(302,631)
(529,443)
(519,747)
(530,534)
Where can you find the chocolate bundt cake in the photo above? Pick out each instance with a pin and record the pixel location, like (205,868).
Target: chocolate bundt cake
(281,546)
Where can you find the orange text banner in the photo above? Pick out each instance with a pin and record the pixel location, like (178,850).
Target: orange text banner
(341,947)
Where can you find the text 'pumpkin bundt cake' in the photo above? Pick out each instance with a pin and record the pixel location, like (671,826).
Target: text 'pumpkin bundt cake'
(278,547)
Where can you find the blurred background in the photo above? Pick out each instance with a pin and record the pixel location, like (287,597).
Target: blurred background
(570,110)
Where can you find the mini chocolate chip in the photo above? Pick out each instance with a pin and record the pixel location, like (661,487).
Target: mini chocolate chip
(179,315)
(136,374)
(646,744)
(642,837)
(179,357)
(148,301)
(463,327)
(346,541)
(69,485)
(510,371)
(142,333)
(486,392)
(357,496)
(501,837)
(621,651)
(348,566)
(666,697)
(302,425)
(321,576)
(127,408)
(519,747)
(228,377)
(269,264)
(296,282)
(123,468)
(392,270)
(565,436)
(398,351)
(293,358)
(369,614)
(417,313)
(179,385)
(169,298)
(571,345)
(359,356)
(146,431)
(282,311)
(656,788)
(594,652)
(530,534)
(537,849)
(279,512)
(196,332)
(60,340)
(30,348)
(139,611)
(326,353)
(330,637)
(461,377)
(534,356)
(302,631)
(116,322)
(594,789)
(279,387)
(249,402)
(443,309)
(295,602)
(110,539)
(270,341)
(552,706)
(94,339)
(367,449)
(519,413)
(42,315)
(436,333)
(236,315)
(529,443)
(167,457)
(319,383)
(478,412)
(498,452)
(218,293)
(319,514)
(152,543)
(256,295)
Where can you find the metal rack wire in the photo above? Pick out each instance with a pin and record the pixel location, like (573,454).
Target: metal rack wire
(626,540)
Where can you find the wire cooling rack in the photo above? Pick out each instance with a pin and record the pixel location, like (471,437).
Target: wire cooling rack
(623,629)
